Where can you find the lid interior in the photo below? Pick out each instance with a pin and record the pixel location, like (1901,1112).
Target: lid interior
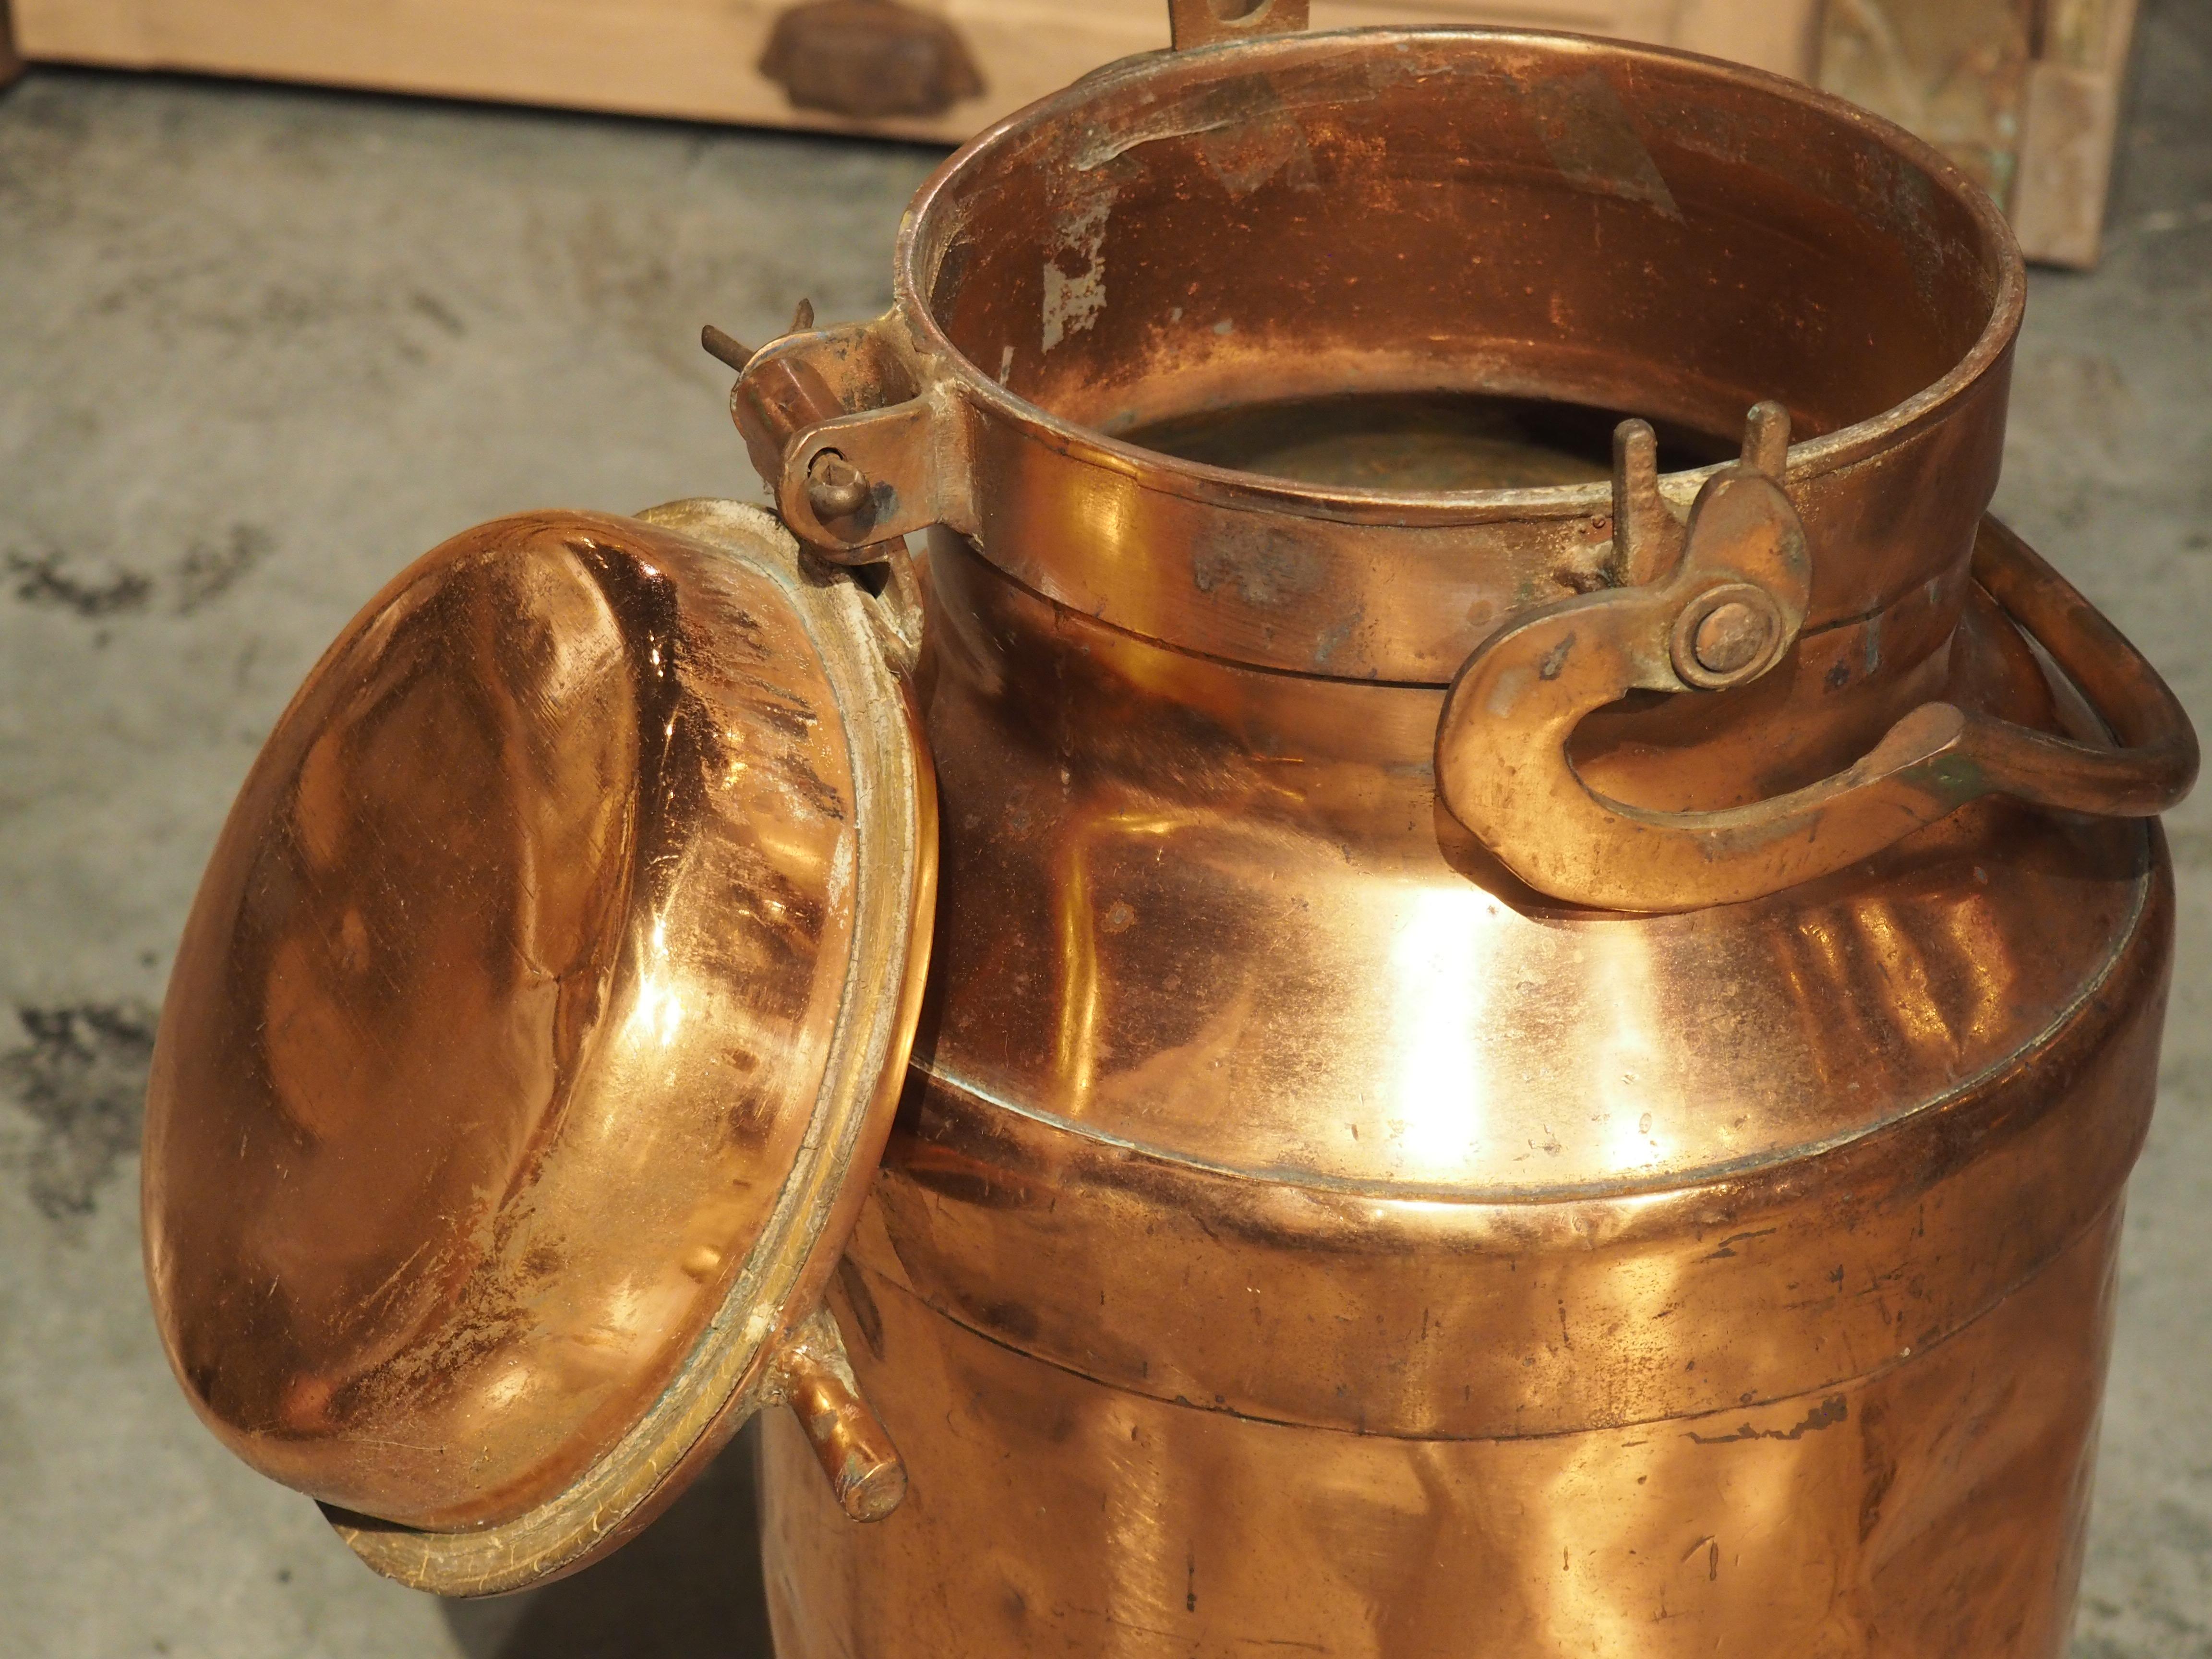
(518,1048)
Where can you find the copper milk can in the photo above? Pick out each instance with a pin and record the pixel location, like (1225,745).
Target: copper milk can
(1468,969)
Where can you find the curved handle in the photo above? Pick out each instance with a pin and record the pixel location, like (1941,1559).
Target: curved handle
(2154,763)
(1502,770)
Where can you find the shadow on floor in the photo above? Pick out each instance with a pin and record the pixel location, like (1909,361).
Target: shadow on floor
(688,1588)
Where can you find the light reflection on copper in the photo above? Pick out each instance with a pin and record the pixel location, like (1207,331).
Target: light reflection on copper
(1633,1091)
(1442,960)
(1076,931)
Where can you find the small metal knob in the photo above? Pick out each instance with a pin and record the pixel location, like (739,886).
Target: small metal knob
(812,1376)
(1726,636)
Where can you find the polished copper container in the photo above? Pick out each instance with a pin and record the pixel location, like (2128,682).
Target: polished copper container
(1535,1021)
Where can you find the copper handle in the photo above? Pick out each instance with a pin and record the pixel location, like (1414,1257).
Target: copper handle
(811,1374)
(1502,769)
(2155,764)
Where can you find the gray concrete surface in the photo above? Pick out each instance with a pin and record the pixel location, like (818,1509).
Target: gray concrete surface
(258,347)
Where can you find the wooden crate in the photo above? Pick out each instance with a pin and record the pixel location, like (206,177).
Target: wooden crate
(2025,93)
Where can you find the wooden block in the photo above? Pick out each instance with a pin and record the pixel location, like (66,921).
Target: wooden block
(1951,70)
(2066,156)
(11,64)
(2023,94)
(2069,121)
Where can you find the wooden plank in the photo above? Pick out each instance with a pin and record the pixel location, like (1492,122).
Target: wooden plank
(2069,122)
(697,58)
(690,59)
(11,63)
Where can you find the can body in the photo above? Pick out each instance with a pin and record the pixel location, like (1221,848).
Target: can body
(1302,1233)
(1936,1509)
(1765,1311)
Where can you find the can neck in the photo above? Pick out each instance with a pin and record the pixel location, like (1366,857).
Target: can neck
(1377,218)
(1158,718)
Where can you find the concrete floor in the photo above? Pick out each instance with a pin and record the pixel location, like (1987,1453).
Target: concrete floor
(258,347)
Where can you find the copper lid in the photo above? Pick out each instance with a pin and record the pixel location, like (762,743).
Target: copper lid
(536,1031)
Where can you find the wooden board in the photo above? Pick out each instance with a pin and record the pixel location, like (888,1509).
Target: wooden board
(2070,120)
(698,58)
(2023,94)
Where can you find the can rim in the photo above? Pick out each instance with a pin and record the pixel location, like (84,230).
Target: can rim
(923,234)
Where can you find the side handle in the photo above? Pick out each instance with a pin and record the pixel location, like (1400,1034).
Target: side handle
(1717,606)
(811,1374)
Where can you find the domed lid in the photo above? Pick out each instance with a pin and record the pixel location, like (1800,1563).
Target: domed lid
(536,1029)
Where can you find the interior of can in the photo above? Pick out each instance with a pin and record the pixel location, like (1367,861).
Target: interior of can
(1452,259)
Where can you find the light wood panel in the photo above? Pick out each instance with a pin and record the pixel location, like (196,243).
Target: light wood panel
(2070,118)
(697,58)
(2024,93)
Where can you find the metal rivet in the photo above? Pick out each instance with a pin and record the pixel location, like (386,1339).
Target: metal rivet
(1731,637)
(835,488)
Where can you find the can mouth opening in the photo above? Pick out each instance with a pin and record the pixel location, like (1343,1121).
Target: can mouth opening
(1404,263)
(1416,440)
